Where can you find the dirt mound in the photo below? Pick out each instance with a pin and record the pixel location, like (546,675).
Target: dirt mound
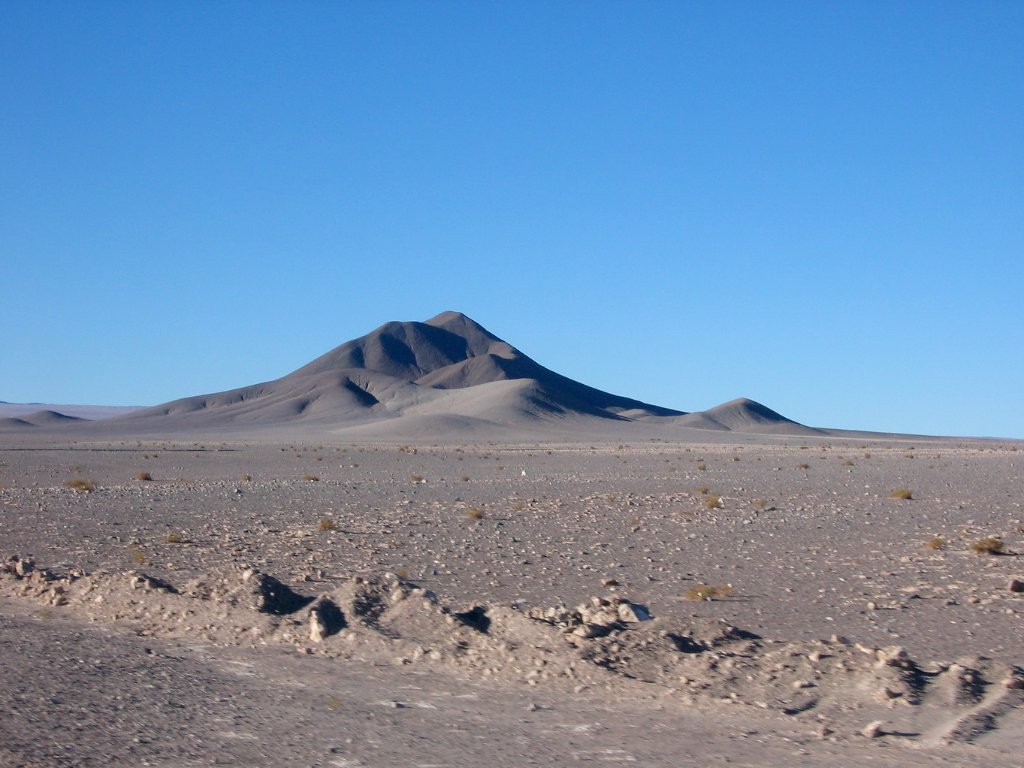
(604,644)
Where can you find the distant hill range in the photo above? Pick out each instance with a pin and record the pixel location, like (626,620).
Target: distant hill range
(418,379)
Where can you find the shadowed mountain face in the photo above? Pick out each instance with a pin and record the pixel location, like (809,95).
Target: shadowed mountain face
(451,351)
(448,373)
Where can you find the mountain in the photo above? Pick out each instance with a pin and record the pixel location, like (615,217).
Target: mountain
(449,373)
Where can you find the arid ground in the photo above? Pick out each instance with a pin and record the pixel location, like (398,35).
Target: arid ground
(756,601)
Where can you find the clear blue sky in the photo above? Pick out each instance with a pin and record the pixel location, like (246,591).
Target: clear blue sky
(818,205)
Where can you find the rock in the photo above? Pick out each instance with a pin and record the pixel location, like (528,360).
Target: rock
(1016,585)
(873,729)
(633,612)
(22,566)
(588,631)
(317,629)
(893,656)
(325,619)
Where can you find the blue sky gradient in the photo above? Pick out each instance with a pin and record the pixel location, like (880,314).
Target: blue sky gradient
(818,205)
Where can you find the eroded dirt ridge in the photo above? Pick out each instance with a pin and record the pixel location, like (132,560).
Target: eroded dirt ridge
(604,644)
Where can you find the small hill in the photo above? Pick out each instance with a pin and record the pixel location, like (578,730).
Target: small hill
(743,415)
(44,418)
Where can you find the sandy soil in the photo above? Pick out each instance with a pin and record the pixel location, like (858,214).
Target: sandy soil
(384,605)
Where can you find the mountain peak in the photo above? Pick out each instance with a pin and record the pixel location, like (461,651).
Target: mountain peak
(443,369)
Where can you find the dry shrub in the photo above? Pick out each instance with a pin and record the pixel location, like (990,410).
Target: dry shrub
(935,543)
(713,502)
(708,592)
(903,494)
(475,513)
(174,538)
(81,484)
(803,466)
(759,503)
(990,545)
(246,478)
(326,524)
(311,478)
(703,490)
(416,478)
(144,477)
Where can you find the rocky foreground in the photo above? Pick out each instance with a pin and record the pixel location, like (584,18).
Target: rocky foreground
(762,605)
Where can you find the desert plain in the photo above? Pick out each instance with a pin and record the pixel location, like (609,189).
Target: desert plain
(744,600)
(426,549)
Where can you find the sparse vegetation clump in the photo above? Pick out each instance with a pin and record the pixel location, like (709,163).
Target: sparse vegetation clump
(708,592)
(326,525)
(475,513)
(902,494)
(713,502)
(174,538)
(311,478)
(144,477)
(935,543)
(990,545)
(81,485)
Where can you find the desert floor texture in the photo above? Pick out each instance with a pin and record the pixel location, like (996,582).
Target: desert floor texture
(759,601)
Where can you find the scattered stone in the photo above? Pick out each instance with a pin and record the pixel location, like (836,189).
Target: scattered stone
(317,628)
(1015,682)
(633,612)
(1016,585)
(873,729)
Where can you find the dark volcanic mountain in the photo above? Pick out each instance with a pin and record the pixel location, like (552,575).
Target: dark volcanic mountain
(415,379)
(409,368)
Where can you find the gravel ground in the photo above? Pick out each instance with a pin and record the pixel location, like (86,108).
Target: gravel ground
(800,540)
